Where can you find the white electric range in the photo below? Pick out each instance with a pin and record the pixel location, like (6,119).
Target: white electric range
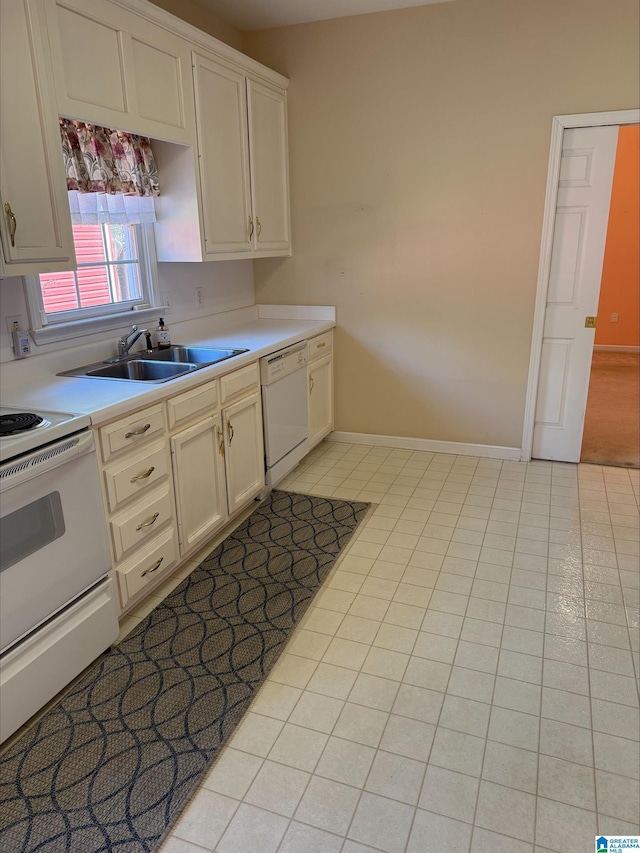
(57,605)
(22,431)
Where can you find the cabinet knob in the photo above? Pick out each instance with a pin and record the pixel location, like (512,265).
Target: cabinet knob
(13,224)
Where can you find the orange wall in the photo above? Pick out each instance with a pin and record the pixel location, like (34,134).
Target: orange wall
(620,288)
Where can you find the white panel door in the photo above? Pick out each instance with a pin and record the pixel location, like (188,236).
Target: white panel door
(269,167)
(582,215)
(223,144)
(244,451)
(320,399)
(198,476)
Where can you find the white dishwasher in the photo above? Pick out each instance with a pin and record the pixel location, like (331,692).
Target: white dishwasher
(283,376)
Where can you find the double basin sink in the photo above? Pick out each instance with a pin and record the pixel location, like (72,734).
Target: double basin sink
(158,365)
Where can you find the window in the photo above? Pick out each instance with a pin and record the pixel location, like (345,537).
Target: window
(115,275)
(108,274)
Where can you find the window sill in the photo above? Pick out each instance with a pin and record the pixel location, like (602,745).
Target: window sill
(94,325)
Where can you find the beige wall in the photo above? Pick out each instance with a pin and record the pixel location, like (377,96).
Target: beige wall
(195,15)
(419,144)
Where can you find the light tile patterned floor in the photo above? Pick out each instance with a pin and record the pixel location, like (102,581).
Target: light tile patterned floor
(467,681)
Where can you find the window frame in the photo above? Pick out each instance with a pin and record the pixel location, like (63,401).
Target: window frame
(86,321)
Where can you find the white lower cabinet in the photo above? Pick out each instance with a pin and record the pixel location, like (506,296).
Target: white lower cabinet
(175,473)
(320,387)
(217,453)
(197,456)
(138,498)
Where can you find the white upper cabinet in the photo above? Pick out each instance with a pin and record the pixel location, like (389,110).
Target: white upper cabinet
(115,68)
(35,225)
(269,168)
(217,119)
(242,182)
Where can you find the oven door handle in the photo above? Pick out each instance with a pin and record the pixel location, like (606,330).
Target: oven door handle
(38,462)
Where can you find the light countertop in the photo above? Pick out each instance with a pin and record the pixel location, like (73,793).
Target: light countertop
(259,331)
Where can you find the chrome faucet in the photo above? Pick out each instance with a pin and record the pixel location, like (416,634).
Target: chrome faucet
(128,340)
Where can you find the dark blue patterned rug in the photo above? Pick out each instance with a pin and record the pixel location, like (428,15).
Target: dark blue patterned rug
(111,767)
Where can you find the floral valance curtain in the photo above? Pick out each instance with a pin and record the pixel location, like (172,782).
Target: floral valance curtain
(111,175)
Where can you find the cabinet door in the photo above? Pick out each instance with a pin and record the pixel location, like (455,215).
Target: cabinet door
(32,182)
(198,476)
(320,399)
(114,68)
(221,118)
(244,451)
(269,167)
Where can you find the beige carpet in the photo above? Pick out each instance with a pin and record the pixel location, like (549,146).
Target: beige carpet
(612,421)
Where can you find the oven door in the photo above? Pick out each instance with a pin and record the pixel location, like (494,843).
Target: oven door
(53,542)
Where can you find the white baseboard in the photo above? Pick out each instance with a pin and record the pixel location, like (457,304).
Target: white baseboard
(607,348)
(459,448)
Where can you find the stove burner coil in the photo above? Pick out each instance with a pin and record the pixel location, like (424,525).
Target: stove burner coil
(16,423)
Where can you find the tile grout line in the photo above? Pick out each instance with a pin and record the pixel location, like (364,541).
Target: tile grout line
(542,674)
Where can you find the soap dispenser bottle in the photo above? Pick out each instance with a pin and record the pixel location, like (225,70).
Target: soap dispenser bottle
(162,335)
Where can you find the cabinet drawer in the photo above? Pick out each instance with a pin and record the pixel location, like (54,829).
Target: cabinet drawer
(239,382)
(136,474)
(159,555)
(133,526)
(320,345)
(132,430)
(201,401)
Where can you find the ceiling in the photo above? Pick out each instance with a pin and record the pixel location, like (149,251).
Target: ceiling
(261,14)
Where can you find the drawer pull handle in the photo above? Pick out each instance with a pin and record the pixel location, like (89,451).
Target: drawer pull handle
(323,344)
(220,441)
(140,431)
(230,431)
(144,474)
(259,224)
(153,568)
(311,384)
(250,237)
(13,224)
(148,522)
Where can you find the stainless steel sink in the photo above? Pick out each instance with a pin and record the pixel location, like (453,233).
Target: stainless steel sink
(193,355)
(141,370)
(155,365)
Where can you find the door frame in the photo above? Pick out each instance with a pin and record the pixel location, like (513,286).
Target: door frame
(558,127)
